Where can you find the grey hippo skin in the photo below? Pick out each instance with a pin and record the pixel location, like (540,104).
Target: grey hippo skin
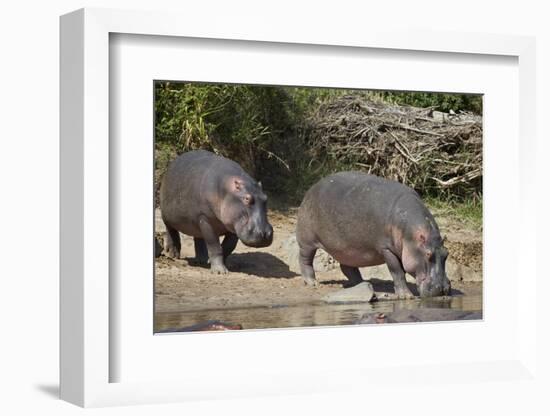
(363,220)
(419,315)
(205,326)
(206,196)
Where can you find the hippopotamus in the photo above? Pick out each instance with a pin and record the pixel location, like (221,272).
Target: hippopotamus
(419,315)
(205,326)
(206,196)
(363,220)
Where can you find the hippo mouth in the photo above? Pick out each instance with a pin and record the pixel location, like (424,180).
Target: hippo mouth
(264,241)
(253,234)
(430,288)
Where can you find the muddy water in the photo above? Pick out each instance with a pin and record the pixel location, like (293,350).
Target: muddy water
(307,315)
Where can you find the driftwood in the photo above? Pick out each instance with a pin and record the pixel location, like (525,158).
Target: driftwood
(425,149)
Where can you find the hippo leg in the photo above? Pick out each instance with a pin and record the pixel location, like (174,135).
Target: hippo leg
(215,252)
(172,242)
(307,254)
(201,252)
(398,274)
(229,243)
(352,273)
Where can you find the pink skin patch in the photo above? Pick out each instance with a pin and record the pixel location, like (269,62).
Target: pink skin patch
(235,184)
(243,215)
(420,235)
(228,214)
(410,253)
(408,259)
(231,214)
(397,237)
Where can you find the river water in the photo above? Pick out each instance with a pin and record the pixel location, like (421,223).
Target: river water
(309,314)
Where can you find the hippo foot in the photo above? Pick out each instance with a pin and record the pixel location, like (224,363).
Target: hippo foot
(311,282)
(404,295)
(173,252)
(218,269)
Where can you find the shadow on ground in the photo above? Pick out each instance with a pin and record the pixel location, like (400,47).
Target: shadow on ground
(259,264)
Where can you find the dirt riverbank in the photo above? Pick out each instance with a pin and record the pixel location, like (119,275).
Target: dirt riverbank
(263,277)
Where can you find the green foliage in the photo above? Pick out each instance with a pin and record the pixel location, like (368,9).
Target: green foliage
(240,122)
(263,128)
(468,211)
(441,102)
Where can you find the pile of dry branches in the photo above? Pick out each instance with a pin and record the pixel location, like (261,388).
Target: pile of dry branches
(430,151)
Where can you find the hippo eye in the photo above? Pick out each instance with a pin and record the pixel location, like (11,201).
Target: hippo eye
(429,254)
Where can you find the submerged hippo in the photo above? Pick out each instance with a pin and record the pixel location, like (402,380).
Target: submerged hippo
(205,326)
(205,196)
(363,220)
(419,315)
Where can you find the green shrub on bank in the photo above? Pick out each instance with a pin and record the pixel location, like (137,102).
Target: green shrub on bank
(440,102)
(468,211)
(237,121)
(265,129)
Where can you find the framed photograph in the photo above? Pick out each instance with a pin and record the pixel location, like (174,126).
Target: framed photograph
(336,178)
(254,214)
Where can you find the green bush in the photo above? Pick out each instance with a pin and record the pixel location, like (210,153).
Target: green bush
(440,102)
(240,122)
(263,128)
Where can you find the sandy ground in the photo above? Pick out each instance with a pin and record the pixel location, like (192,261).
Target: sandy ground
(262,277)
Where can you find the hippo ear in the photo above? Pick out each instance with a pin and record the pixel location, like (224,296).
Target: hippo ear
(236,184)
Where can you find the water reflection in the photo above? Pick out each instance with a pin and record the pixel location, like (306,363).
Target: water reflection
(304,315)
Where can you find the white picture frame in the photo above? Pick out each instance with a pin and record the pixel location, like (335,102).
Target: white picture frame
(86,291)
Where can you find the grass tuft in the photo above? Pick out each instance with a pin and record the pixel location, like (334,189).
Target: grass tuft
(468,212)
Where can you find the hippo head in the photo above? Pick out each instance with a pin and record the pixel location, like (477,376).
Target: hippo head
(244,211)
(424,257)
